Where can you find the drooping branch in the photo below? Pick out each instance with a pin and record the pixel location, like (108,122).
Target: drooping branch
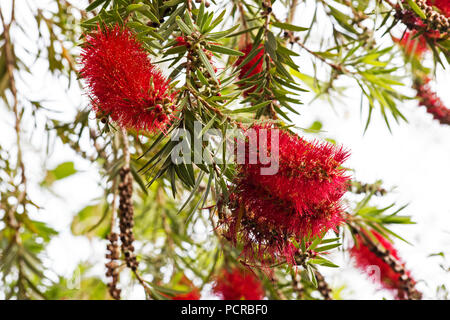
(407,283)
(292,10)
(10,66)
(126,214)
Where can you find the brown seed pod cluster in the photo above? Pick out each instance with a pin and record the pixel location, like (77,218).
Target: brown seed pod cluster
(112,266)
(322,286)
(360,187)
(194,44)
(435,20)
(126,217)
(407,290)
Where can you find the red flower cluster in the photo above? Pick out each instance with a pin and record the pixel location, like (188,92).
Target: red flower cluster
(252,68)
(193,295)
(429,99)
(365,259)
(238,285)
(302,199)
(123,83)
(442,5)
(181,41)
(413,46)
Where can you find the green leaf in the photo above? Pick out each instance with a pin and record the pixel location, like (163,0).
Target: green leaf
(135,7)
(207,64)
(222,34)
(95,4)
(327,247)
(183,26)
(202,77)
(144,9)
(416,9)
(311,275)
(63,170)
(323,262)
(201,14)
(216,21)
(316,126)
(287,26)
(252,108)
(175,50)
(224,50)
(89,217)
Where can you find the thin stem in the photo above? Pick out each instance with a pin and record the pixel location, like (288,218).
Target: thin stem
(291,13)
(144,284)
(245,39)
(9,56)
(126,149)
(267,5)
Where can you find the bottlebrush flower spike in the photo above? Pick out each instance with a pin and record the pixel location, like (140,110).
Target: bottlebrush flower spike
(431,101)
(238,285)
(308,172)
(193,295)
(252,67)
(267,225)
(123,83)
(366,260)
(412,45)
(300,200)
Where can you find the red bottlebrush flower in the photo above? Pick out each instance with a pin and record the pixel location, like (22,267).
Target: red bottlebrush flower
(308,172)
(252,67)
(429,99)
(366,260)
(301,199)
(442,5)
(122,82)
(181,41)
(238,285)
(267,225)
(413,46)
(193,295)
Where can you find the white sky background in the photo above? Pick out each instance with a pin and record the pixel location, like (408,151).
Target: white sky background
(415,158)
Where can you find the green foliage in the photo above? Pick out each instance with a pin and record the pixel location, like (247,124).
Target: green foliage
(177,205)
(63,170)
